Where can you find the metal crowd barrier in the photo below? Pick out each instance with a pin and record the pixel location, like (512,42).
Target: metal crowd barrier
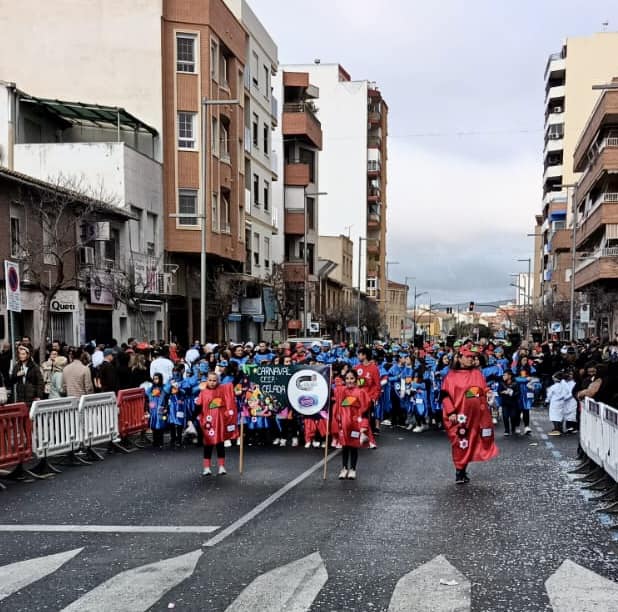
(592,431)
(99,420)
(15,441)
(610,424)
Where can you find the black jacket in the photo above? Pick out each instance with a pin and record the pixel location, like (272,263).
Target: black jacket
(28,381)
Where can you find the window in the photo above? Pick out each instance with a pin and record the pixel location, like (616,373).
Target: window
(215,212)
(224,213)
(256,249)
(152,221)
(214,136)
(266,81)
(256,190)
(135,230)
(214,60)
(223,70)
(266,252)
(187,206)
(266,196)
(185,53)
(112,246)
(254,69)
(224,139)
(265,135)
(16,250)
(186,130)
(310,213)
(255,130)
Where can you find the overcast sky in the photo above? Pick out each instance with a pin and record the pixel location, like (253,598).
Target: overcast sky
(464,84)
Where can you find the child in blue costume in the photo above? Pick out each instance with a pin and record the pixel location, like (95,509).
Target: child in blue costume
(523,377)
(383,407)
(420,403)
(157,410)
(179,414)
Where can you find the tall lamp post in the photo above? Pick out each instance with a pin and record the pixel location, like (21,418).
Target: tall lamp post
(358,303)
(305,265)
(416,295)
(405,282)
(527,297)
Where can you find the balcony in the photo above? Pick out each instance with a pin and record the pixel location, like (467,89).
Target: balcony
(552,172)
(294,271)
(374,220)
(604,214)
(274,111)
(248,140)
(554,144)
(248,201)
(299,120)
(374,117)
(297,175)
(606,162)
(295,222)
(374,167)
(555,65)
(555,93)
(554,118)
(274,164)
(373,194)
(555,196)
(373,247)
(374,141)
(603,267)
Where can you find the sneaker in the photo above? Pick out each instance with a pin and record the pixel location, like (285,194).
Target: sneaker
(222,470)
(316,444)
(227,443)
(351,474)
(527,431)
(417,429)
(206,472)
(387,423)
(283,442)
(372,445)
(323,445)
(237,441)
(554,432)
(364,438)
(507,434)
(409,427)
(294,441)
(276,442)
(307,444)
(466,477)
(424,427)
(460,477)
(494,420)
(343,474)
(518,431)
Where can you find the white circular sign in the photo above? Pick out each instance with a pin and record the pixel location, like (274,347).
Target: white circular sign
(308,392)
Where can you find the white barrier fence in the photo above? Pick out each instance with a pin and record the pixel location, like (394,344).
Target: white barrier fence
(599,435)
(65,425)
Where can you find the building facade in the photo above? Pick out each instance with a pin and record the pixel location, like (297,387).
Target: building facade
(596,201)
(298,142)
(570,76)
(396,310)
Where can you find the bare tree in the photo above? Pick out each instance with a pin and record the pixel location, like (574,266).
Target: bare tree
(287,296)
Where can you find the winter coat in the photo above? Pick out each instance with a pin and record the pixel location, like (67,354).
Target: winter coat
(28,381)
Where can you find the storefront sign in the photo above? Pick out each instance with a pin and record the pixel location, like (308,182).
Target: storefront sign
(100,292)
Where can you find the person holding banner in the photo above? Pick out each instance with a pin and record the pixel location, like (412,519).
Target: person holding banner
(217,414)
(349,413)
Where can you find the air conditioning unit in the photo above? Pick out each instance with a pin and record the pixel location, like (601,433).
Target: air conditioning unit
(557,109)
(554,136)
(86,256)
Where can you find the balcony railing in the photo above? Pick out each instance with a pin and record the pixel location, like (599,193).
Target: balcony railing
(374,142)
(609,252)
(299,107)
(373,165)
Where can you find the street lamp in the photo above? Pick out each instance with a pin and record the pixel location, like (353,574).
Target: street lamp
(358,304)
(527,295)
(305,266)
(573,259)
(416,295)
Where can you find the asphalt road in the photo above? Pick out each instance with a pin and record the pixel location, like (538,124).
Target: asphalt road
(403,534)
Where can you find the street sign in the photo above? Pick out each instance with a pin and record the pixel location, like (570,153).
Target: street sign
(13,287)
(555,327)
(584,313)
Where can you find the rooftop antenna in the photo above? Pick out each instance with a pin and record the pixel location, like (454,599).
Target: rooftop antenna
(348,227)
(605,25)
(316,60)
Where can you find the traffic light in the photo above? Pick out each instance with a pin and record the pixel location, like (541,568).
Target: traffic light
(471,307)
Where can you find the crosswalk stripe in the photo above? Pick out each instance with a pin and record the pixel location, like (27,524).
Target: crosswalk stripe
(289,588)
(573,587)
(137,589)
(111,528)
(16,576)
(436,586)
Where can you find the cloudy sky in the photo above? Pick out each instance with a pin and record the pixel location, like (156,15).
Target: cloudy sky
(464,84)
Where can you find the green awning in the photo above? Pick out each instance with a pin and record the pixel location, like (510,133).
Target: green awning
(80,113)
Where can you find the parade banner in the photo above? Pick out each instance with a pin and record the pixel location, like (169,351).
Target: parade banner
(306,389)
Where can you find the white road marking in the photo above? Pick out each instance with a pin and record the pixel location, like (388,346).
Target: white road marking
(289,588)
(16,576)
(573,587)
(549,444)
(424,589)
(243,520)
(112,528)
(137,589)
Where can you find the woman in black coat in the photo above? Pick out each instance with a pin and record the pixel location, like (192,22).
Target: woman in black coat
(27,377)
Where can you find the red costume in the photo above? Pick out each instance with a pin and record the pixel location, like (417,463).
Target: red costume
(369,379)
(349,413)
(472,436)
(219,414)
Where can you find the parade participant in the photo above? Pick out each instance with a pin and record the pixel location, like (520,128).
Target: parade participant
(157,410)
(467,419)
(263,354)
(420,404)
(286,419)
(369,377)
(526,394)
(560,398)
(350,407)
(508,391)
(384,407)
(176,390)
(217,414)
(238,355)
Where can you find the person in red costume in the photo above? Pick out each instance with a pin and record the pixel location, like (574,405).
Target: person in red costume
(369,378)
(349,413)
(467,418)
(217,414)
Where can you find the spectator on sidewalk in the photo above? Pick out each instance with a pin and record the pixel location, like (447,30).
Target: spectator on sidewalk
(27,377)
(107,376)
(77,376)
(162,365)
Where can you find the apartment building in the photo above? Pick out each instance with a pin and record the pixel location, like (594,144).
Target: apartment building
(596,201)
(298,141)
(261,110)
(105,154)
(570,75)
(396,310)
(353,169)
(160,59)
